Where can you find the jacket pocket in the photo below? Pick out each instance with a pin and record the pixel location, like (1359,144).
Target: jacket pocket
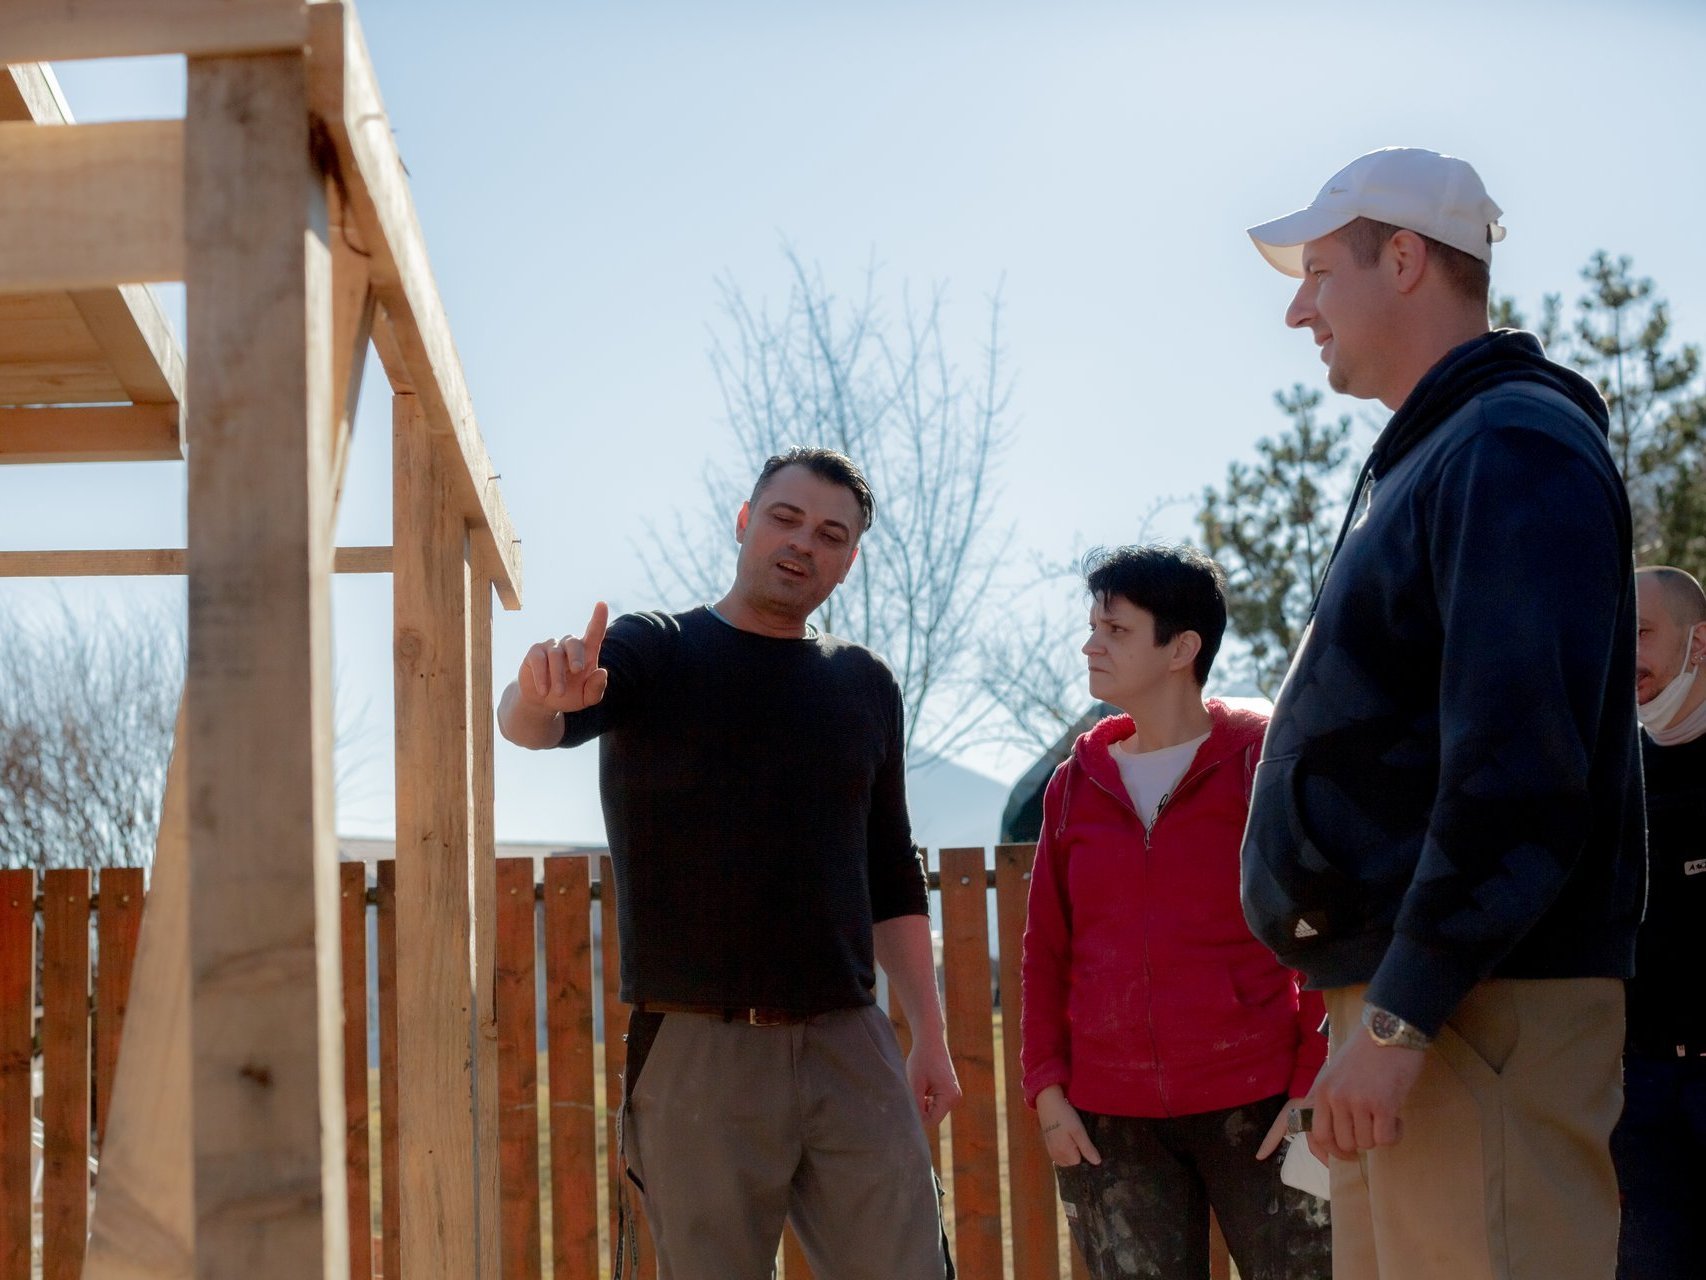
(1295,896)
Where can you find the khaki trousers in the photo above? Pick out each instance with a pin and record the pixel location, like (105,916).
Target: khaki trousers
(730,1129)
(1504,1168)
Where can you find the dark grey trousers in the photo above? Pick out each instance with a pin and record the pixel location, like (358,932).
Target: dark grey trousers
(730,1129)
(1143,1212)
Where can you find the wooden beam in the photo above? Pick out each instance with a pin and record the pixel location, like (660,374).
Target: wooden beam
(436,1007)
(29,91)
(143,1224)
(346,96)
(267,1079)
(137,340)
(85,205)
(60,30)
(154,562)
(92,433)
(353,308)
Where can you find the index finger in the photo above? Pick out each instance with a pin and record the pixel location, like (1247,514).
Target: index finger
(594,637)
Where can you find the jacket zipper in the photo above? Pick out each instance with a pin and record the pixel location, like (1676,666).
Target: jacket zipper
(1148,966)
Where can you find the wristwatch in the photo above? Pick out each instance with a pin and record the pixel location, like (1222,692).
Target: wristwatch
(1389,1031)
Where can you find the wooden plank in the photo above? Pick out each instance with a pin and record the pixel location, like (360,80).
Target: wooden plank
(86,205)
(56,30)
(482,816)
(146,562)
(17,1030)
(118,927)
(267,1011)
(29,91)
(136,339)
(65,1072)
(518,1070)
(966,978)
(346,96)
(615,1059)
(569,1050)
(1219,1259)
(1030,1175)
(794,1264)
(435,985)
(92,433)
(353,307)
(390,1169)
(45,328)
(352,916)
(144,1216)
(89,381)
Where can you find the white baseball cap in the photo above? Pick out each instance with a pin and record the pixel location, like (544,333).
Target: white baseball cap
(1438,196)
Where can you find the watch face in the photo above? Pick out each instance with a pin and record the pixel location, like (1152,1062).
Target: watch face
(1384,1025)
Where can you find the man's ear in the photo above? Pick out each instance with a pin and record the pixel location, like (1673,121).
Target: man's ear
(1186,646)
(741,518)
(1406,255)
(851,561)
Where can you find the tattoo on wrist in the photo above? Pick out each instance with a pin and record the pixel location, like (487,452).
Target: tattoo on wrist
(1050,1128)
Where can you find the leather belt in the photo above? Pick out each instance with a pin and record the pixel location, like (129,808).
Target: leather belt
(754,1016)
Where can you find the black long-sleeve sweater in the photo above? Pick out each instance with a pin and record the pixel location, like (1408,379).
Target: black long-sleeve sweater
(755,802)
(1666,1009)
(1451,788)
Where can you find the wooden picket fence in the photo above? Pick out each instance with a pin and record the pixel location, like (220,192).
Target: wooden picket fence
(555,1219)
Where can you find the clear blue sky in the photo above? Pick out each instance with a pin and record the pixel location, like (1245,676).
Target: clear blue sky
(585,172)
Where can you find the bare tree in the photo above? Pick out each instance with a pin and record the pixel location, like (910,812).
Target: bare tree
(886,392)
(87,708)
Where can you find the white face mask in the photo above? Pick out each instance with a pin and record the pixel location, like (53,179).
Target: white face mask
(1658,711)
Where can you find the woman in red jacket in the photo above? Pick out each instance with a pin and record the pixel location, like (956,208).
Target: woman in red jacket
(1160,1041)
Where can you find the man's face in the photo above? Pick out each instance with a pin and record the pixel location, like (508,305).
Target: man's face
(1347,310)
(798,540)
(1658,639)
(1125,663)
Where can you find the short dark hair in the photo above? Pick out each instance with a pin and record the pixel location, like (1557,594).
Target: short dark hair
(1467,274)
(1684,599)
(826,464)
(1179,585)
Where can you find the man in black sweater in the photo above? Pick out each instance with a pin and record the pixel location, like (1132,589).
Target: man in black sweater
(1660,1143)
(753,779)
(1445,835)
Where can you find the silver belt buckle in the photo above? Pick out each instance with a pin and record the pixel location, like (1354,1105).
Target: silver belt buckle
(753,1019)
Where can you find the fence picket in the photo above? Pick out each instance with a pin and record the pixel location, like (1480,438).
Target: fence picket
(615,1032)
(118,925)
(1030,1176)
(569,1066)
(65,1072)
(977,1159)
(352,930)
(518,1071)
(17,1030)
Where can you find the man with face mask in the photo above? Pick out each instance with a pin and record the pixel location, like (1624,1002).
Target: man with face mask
(1660,1143)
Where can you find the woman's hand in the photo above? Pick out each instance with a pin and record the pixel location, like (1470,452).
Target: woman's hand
(1063,1130)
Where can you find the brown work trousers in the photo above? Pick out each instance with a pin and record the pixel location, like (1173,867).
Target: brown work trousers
(731,1128)
(1503,1170)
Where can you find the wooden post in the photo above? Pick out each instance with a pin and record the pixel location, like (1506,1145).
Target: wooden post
(65,1072)
(264,956)
(436,1013)
(484,873)
(568,1030)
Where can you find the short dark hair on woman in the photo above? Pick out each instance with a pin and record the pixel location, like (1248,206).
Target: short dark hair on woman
(1179,585)
(826,464)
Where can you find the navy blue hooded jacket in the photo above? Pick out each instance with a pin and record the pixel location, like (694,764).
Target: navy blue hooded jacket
(1451,787)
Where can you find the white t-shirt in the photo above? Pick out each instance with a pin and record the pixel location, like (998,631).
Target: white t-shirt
(1150,776)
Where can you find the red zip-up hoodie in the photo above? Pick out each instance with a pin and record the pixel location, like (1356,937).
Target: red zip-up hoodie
(1145,993)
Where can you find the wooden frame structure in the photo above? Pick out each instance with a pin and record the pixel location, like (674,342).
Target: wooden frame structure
(281,202)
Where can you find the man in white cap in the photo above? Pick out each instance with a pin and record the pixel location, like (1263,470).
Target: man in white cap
(1446,831)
